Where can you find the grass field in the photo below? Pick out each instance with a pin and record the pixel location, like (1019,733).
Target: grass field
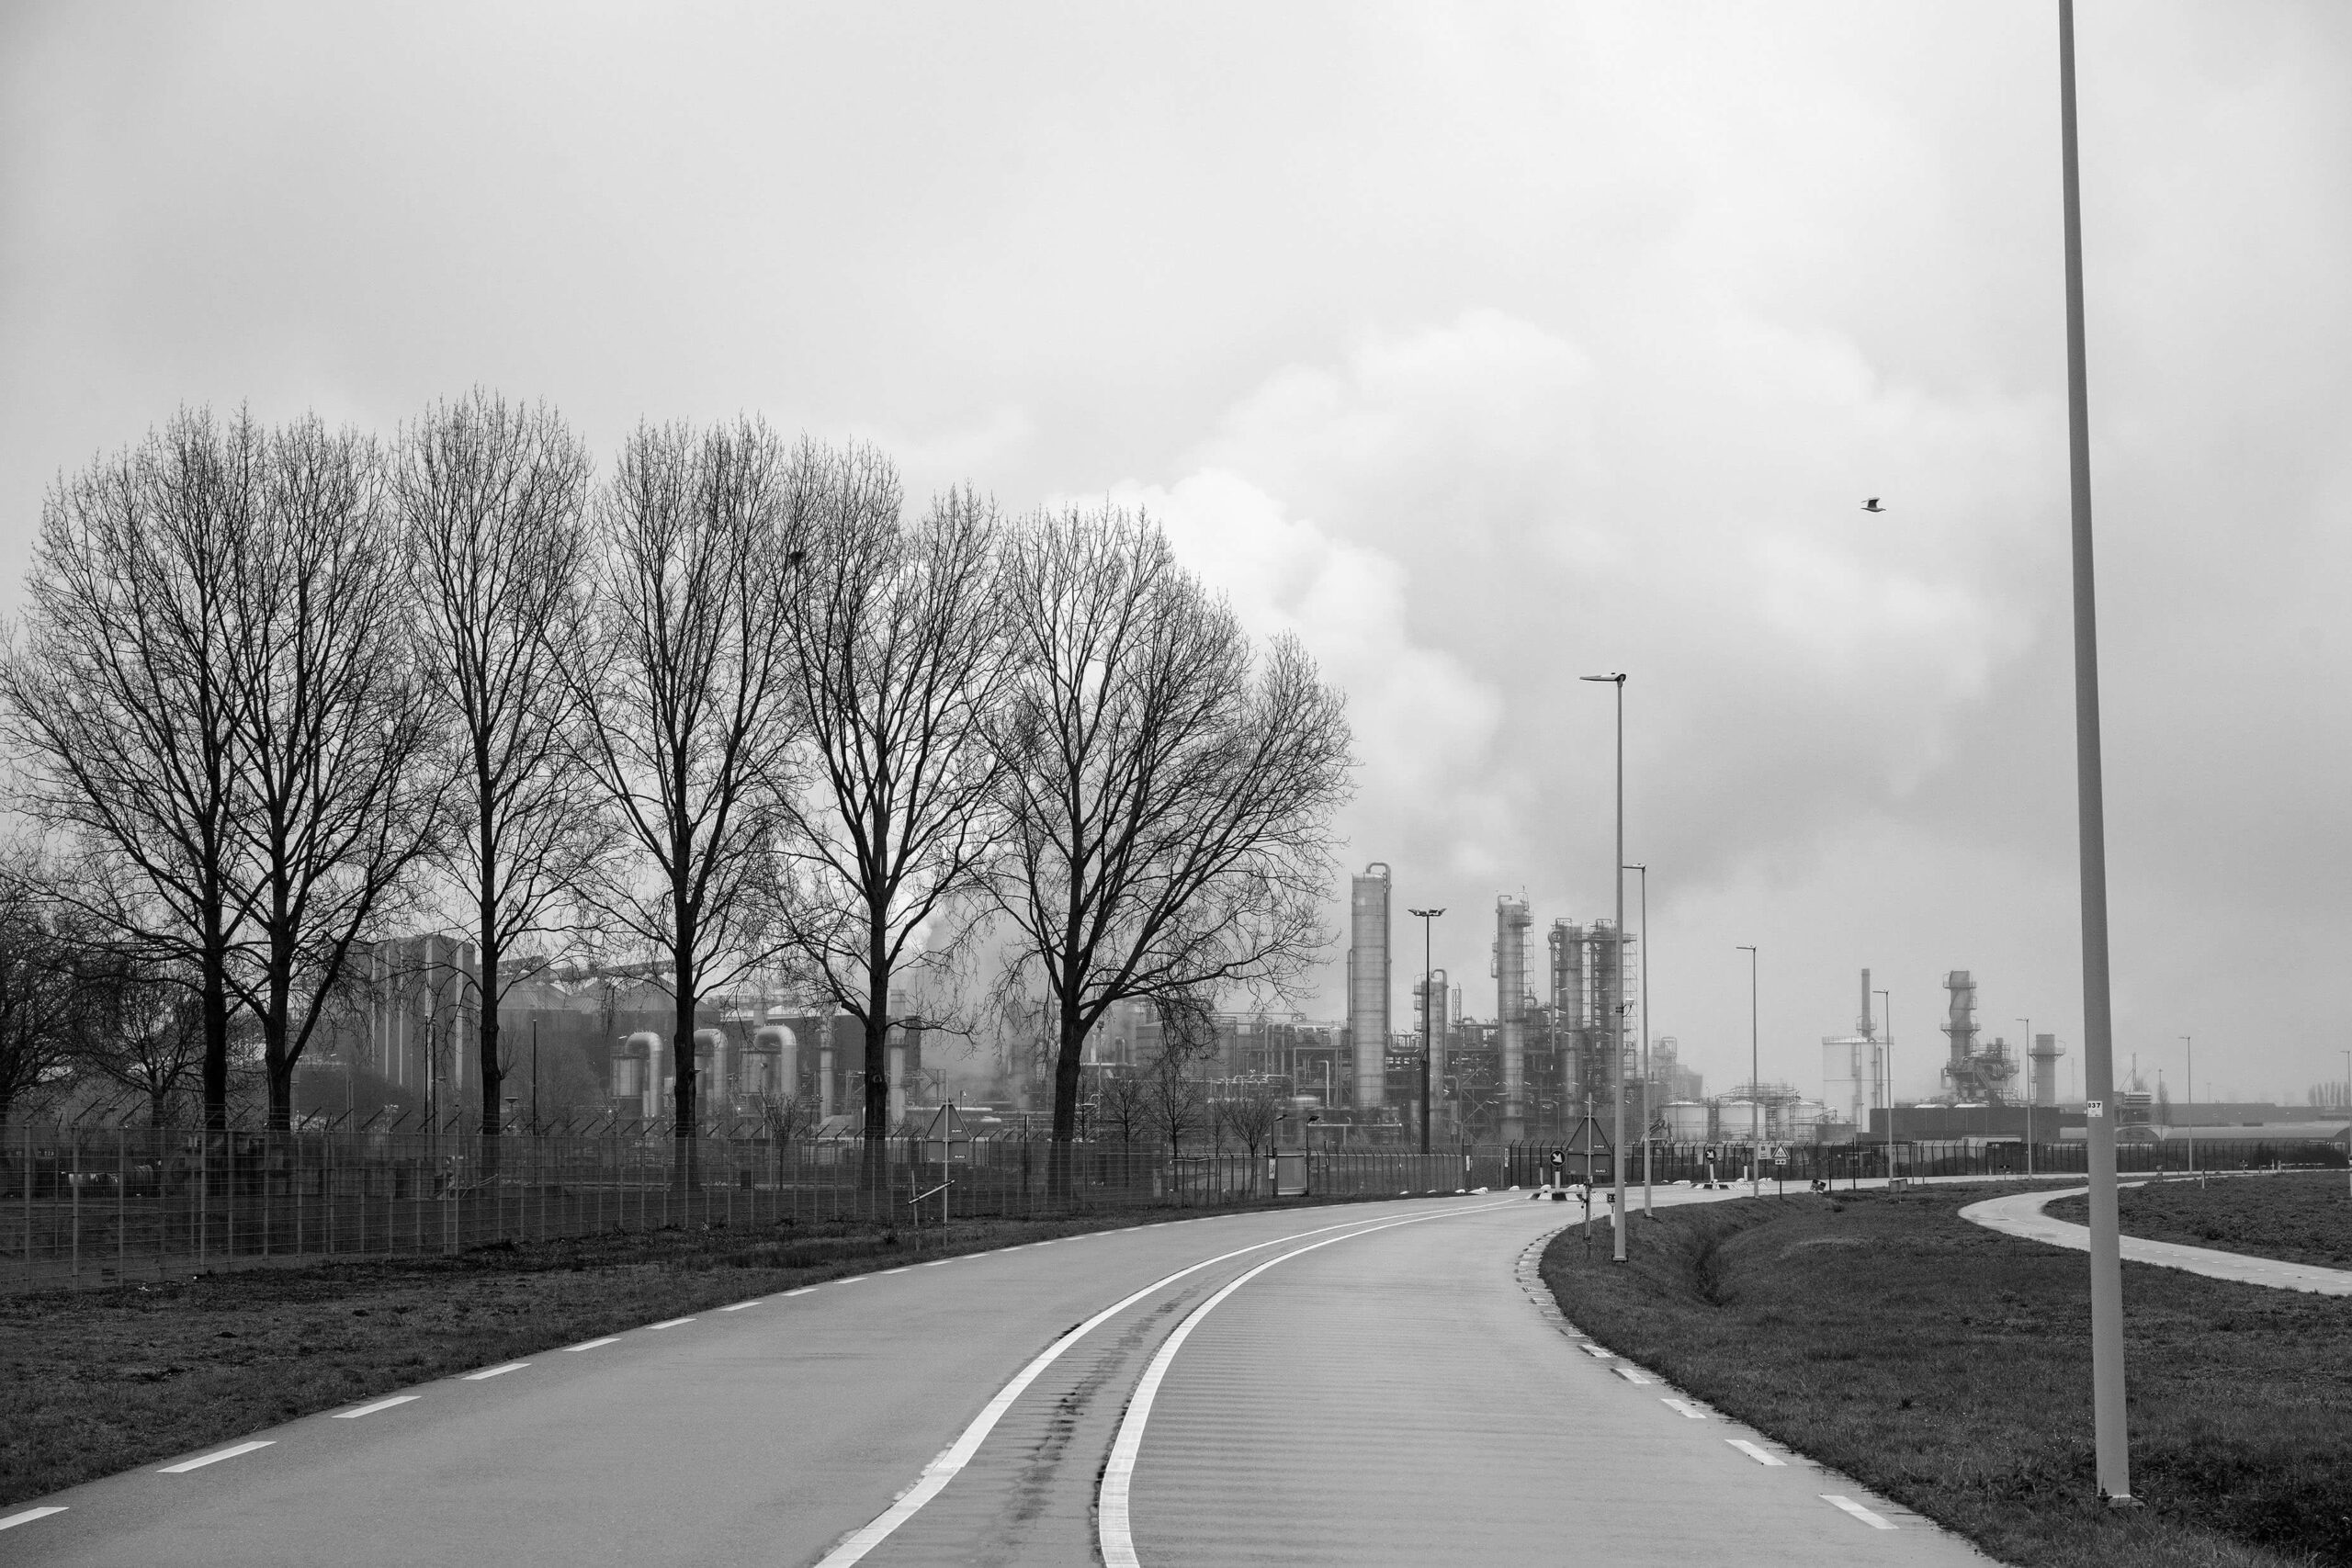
(2298,1217)
(1948,1367)
(96,1382)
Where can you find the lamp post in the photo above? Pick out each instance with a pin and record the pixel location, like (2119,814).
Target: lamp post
(1886,1016)
(2028,1094)
(1617,1043)
(2110,1416)
(1647,1186)
(2347,1120)
(1754,1077)
(1428,1005)
(2188,1044)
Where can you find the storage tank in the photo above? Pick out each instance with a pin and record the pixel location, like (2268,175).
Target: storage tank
(1688,1121)
(1741,1121)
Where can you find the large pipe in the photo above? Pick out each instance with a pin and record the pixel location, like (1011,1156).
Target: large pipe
(650,1096)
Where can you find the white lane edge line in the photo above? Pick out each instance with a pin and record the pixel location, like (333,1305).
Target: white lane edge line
(592,1344)
(27,1517)
(1634,1375)
(494,1372)
(1683,1407)
(1760,1455)
(1875,1521)
(371,1409)
(672,1323)
(214,1458)
(803,1291)
(1597,1353)
(739,1306)
(951,1460)
(1113,1533)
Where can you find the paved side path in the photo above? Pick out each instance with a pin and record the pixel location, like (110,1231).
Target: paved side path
(2022,1216)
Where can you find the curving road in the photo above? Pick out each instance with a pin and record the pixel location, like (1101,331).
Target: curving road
(2020,1214)
(1376,1383)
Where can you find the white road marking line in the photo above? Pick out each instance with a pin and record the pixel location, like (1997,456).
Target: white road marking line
(1760,1455)
(371,1409)
(803,1291)
(215,1457)
(494,1372)
(592,1344)
(27,1517)
(956,1455)
(1685,1407)
(671,1323)
(938,1262)
(853,1278)
(1873,1520)
(1597,1353)
(1635,1375)
(1114,1532)
(739,1306)
(902,1269)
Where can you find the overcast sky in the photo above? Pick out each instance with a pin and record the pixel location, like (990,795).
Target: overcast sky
(1486,346)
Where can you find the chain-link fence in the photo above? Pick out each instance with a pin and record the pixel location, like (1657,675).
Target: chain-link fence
(84,1206)
(1532,1163)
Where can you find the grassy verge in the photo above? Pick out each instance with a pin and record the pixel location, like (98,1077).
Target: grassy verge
(99,1381)
(1948,1367)
(2300,1217)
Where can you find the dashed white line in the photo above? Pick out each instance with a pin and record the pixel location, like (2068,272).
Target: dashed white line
(1760,1455)
(803,1291)
(214,1458)
(939,1262)
(673,1323)
(1597,1353)
(1634,1375)
(592,1344)
(1684,1407)
(27,1517)
(739,1306)
(900,1270)
(371,1409)
(494,1372)
(1849,1505)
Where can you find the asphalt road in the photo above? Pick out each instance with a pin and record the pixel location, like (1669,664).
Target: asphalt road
(1365,1384)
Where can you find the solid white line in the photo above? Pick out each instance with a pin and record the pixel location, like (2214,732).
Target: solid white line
(1760,1455)
(592,1344)
(494,1372)
(371,1409)
(1873,1520)
(672,1324)
(186,1465)
(1685,1407)
(1114,1532)
(27,1517)
(739,1306)
(951,1460)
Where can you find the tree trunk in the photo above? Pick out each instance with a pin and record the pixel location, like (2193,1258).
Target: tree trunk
(1066,1081)
(494,1077)
(278,1065)
(684,1172)
(877,1063)
(216,1022)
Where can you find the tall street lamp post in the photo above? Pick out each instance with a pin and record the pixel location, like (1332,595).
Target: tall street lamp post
(2188,1044)
(1755,1080)
(2028,1094)
(1617,1043)
(1647,1186)
(2347,1120)
(1886,1017)
(2110,1433)
(1428,1012)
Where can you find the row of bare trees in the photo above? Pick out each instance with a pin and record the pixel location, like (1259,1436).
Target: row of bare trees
(730,709)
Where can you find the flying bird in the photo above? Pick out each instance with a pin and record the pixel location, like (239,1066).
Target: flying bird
(1873,505)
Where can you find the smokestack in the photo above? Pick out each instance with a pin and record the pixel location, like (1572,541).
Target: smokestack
(1870,1028)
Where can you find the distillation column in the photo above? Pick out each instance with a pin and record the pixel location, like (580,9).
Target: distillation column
(1368,983)
(1511,920)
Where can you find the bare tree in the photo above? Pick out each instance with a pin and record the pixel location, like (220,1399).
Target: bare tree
(1248,1110)
(1176,1103)
(683,681)
(121,691)
(138,1025)
(492,499)
(1169,791)
(1122,1106)
(39,994)
(900,659)
(340,800)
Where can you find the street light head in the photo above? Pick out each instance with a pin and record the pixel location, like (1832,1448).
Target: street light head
(1614,680)
(1426,914)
